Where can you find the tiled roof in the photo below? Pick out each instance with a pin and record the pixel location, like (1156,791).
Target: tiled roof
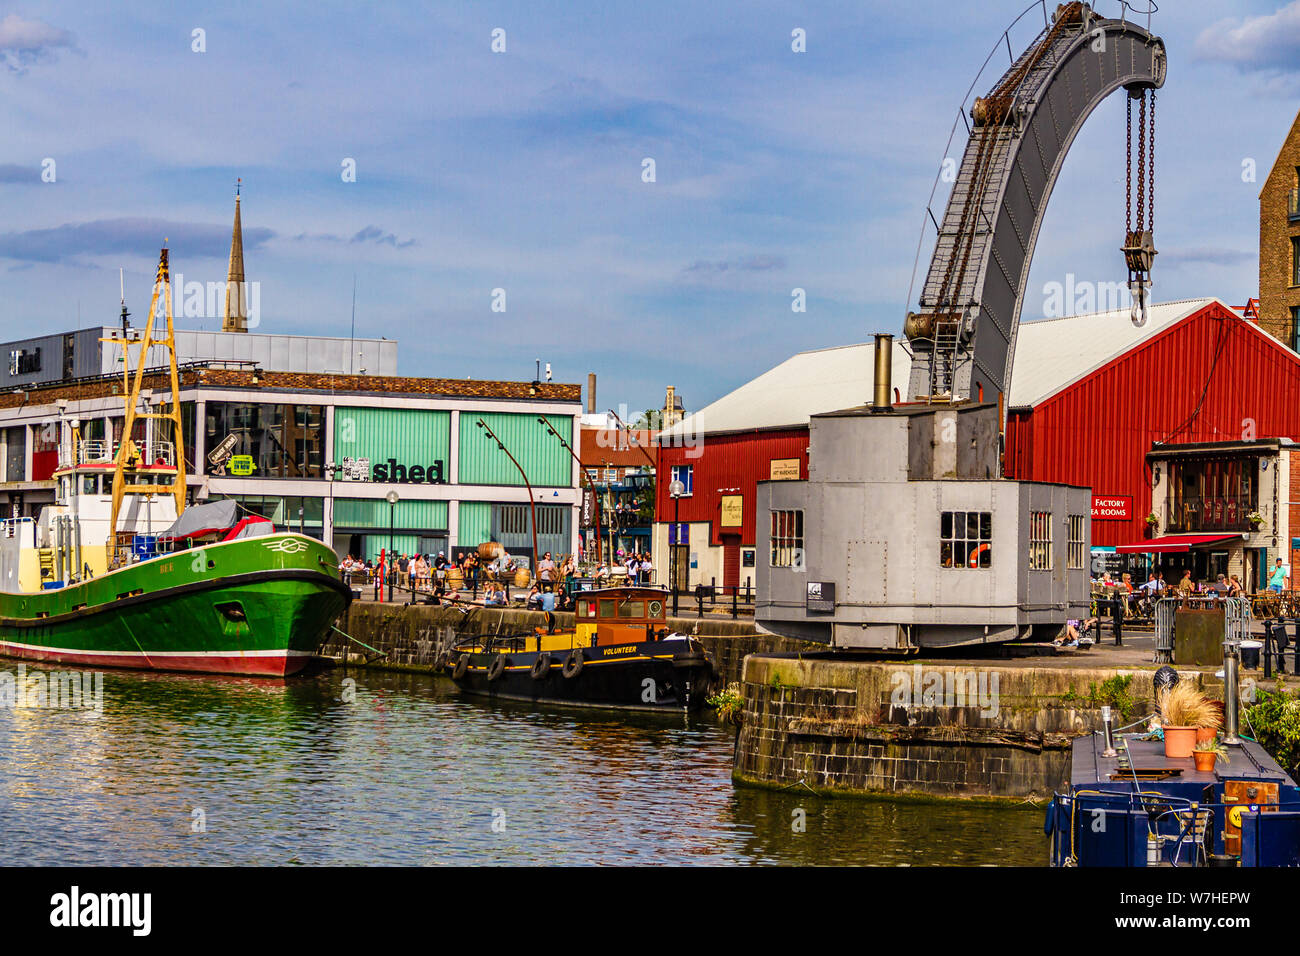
(300,381)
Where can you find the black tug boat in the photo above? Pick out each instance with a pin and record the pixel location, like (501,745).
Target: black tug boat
(620,653)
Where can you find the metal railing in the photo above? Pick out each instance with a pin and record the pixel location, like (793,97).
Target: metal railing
(1235,626)
(100,451)
(703,598)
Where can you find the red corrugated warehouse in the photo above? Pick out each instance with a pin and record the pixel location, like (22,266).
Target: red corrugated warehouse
(1090,396)
(1208,376)
(721,468)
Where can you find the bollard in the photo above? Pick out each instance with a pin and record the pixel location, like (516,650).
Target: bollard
(735,612)
(1268,650)
(1117,620)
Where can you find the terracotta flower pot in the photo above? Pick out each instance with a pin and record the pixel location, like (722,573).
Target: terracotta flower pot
(1180,741)
(1204,760)
(1205,735)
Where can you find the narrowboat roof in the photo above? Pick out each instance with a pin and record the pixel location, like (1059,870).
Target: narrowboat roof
(1090,769)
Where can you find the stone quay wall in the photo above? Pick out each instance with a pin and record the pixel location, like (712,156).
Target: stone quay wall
(935,728)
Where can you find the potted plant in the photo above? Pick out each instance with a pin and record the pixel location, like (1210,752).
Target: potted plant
(1207,753)
(1183,708)
(1256,519)
(1153,522)
(1208,729)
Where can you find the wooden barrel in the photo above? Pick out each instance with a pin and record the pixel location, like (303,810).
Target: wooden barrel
(490,551)
(522,577)
(455,579)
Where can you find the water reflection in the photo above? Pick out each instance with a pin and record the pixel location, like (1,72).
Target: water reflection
(384,768)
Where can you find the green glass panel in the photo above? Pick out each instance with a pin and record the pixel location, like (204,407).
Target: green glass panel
(475,523)
(405,437)
(374,513)
(546,462)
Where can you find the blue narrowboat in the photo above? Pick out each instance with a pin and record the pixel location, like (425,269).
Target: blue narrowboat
(1129,805)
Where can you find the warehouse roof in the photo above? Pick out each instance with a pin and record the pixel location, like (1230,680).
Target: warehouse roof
(1050,355)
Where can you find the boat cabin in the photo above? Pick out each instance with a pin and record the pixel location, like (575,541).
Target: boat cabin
(619,615)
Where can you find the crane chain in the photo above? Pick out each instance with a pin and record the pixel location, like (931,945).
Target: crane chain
(1128,171)
(1151,170)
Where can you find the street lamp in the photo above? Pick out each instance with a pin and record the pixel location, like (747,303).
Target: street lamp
(582,474)
(676,489)
(392,497)
(532,502)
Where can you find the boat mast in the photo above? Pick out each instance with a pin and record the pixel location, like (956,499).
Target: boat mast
(128,456)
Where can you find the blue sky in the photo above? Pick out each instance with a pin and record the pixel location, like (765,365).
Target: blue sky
(522,170)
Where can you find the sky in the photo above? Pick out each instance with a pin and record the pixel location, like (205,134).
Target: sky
(524,169)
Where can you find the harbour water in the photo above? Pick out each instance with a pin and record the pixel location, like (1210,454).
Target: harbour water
(375,768)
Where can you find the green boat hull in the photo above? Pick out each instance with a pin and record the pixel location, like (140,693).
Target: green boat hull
(260,606)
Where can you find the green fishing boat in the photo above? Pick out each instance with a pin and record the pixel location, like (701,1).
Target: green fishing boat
(118,572)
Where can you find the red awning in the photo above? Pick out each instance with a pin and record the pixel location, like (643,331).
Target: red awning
(1177,542)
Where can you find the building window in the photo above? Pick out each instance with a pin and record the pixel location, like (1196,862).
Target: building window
(685,474)
(966,539)
(787,539)
(284,441)
(1040,541)
(1211,494)
(1295,260)
(1295,328)
(1078,550)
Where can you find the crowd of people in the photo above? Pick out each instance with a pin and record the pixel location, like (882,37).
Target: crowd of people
(433,575)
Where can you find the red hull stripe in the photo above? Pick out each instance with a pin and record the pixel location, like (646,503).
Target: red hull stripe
(263,663)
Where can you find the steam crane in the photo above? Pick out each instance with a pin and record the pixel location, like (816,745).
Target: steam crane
(963,335)
(921,543)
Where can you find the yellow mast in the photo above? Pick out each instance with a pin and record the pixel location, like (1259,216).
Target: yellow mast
(128,456)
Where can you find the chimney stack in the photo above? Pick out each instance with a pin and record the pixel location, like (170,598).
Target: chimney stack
(884,375)
(591,393)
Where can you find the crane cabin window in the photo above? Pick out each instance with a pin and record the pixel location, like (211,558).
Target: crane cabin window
(1040,541)
(966,539)
(787,539)
(1077,551)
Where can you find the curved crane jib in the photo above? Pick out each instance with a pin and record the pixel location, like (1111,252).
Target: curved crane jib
(964,332)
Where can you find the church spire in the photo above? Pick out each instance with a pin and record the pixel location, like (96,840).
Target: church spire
(236,315)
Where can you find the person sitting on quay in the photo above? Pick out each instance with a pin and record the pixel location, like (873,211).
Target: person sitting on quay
(496,595)
(1077,634)
(534,600)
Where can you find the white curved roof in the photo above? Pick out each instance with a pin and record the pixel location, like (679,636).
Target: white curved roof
(1051,354)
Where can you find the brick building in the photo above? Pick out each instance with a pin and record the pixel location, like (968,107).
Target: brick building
(1279,244)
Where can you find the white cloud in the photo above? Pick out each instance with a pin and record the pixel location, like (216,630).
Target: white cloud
(1268,42)
(24,42)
